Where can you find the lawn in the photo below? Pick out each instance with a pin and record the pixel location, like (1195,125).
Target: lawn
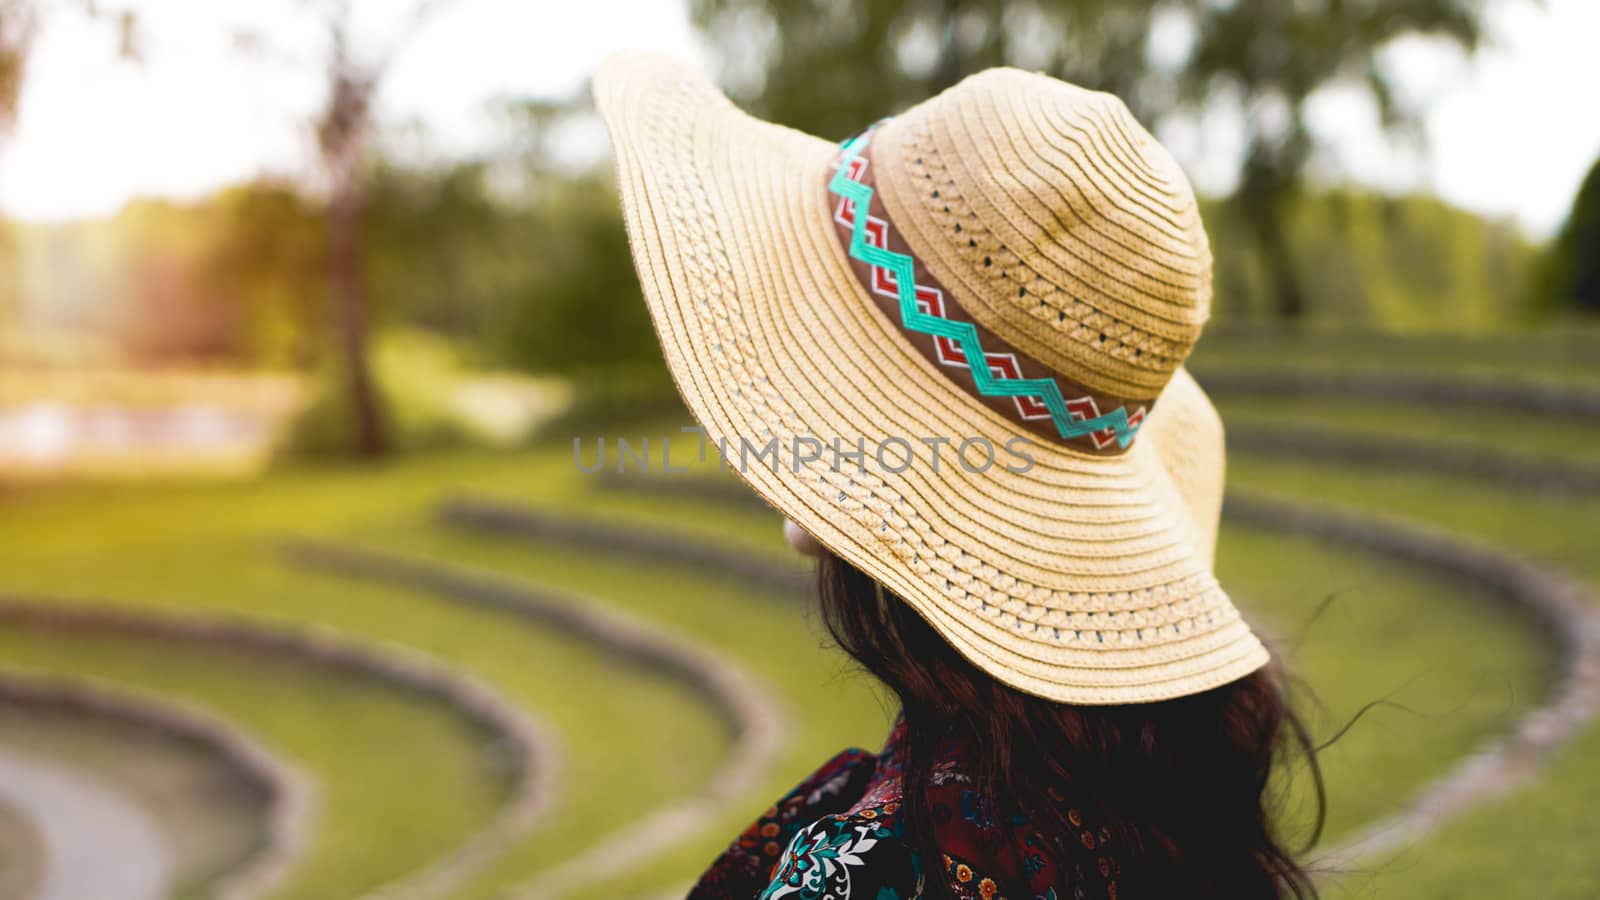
(1497,850)
(1460,697)
(633,742)
(1567,356)
(1537,843)
(362,742)
(211,549)
(1540,437)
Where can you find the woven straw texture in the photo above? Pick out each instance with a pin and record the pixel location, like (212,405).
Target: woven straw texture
(1019,180)
(1086,579)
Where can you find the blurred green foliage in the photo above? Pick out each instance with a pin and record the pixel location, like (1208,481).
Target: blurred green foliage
(545,285)
(1372,261)
(832,67)
(542,281)
(523,258)
(581,311)
(1569,274)
(441,248)
(265,256)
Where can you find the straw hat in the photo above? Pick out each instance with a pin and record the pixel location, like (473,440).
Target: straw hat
(816,300)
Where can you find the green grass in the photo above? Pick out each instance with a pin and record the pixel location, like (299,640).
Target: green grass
(1380,638)
(1460,696)
(634,742)
(826,708)
(1521,433)
(1556,528)
(211,549)
(1565,356)
(1538,842)
(364,743)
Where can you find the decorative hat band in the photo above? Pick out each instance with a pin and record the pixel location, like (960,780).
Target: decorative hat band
(996,373)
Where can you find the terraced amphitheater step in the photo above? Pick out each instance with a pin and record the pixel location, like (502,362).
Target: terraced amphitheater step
(749,710)
(95,842)
(286,795)
(528,751)
(1556,602)
(632,542)
(1522,395)
(1420,454)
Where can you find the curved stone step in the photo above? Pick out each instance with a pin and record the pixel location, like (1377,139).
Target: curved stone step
(748,709)
(1421,454)
(96,842)
(1522,395)
(621,539)
(290,798)
(1562,608)
(1555,601)
(529,751)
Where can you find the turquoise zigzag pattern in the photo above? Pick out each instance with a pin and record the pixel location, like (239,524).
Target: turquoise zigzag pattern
(963,333)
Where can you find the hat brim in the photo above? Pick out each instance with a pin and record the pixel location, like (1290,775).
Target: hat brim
(1085,579)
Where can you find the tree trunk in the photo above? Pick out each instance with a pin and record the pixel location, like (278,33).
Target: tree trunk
(350,316)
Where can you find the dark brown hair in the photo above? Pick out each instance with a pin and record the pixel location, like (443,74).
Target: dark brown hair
(1183,785)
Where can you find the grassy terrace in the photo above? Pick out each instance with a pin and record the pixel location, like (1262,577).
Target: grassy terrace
(1533,435)
(362,743)
(209,819)
(1560,357)
(1462,665)
(824,710)
(1377,640)
(633,742)
(212,549)
(1489,847)
(1497,850)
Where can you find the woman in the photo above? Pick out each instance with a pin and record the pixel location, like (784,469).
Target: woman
(950,352)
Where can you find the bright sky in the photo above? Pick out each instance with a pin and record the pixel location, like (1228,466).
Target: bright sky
(1510,133)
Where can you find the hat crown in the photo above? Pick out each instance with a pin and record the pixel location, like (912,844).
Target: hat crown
(1062,224)
(1085,578)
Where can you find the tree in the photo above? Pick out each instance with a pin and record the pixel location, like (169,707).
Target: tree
(1403,263)
(1273,56)
(445,248)
(1570,272)
(572,310)
(579,312)
(263,252)
(16,36)
(831,67)
(344,134)
(19,20)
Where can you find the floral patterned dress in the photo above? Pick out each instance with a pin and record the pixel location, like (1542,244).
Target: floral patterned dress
(839,836)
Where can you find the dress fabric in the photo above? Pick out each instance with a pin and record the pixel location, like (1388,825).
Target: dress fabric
(839,835)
